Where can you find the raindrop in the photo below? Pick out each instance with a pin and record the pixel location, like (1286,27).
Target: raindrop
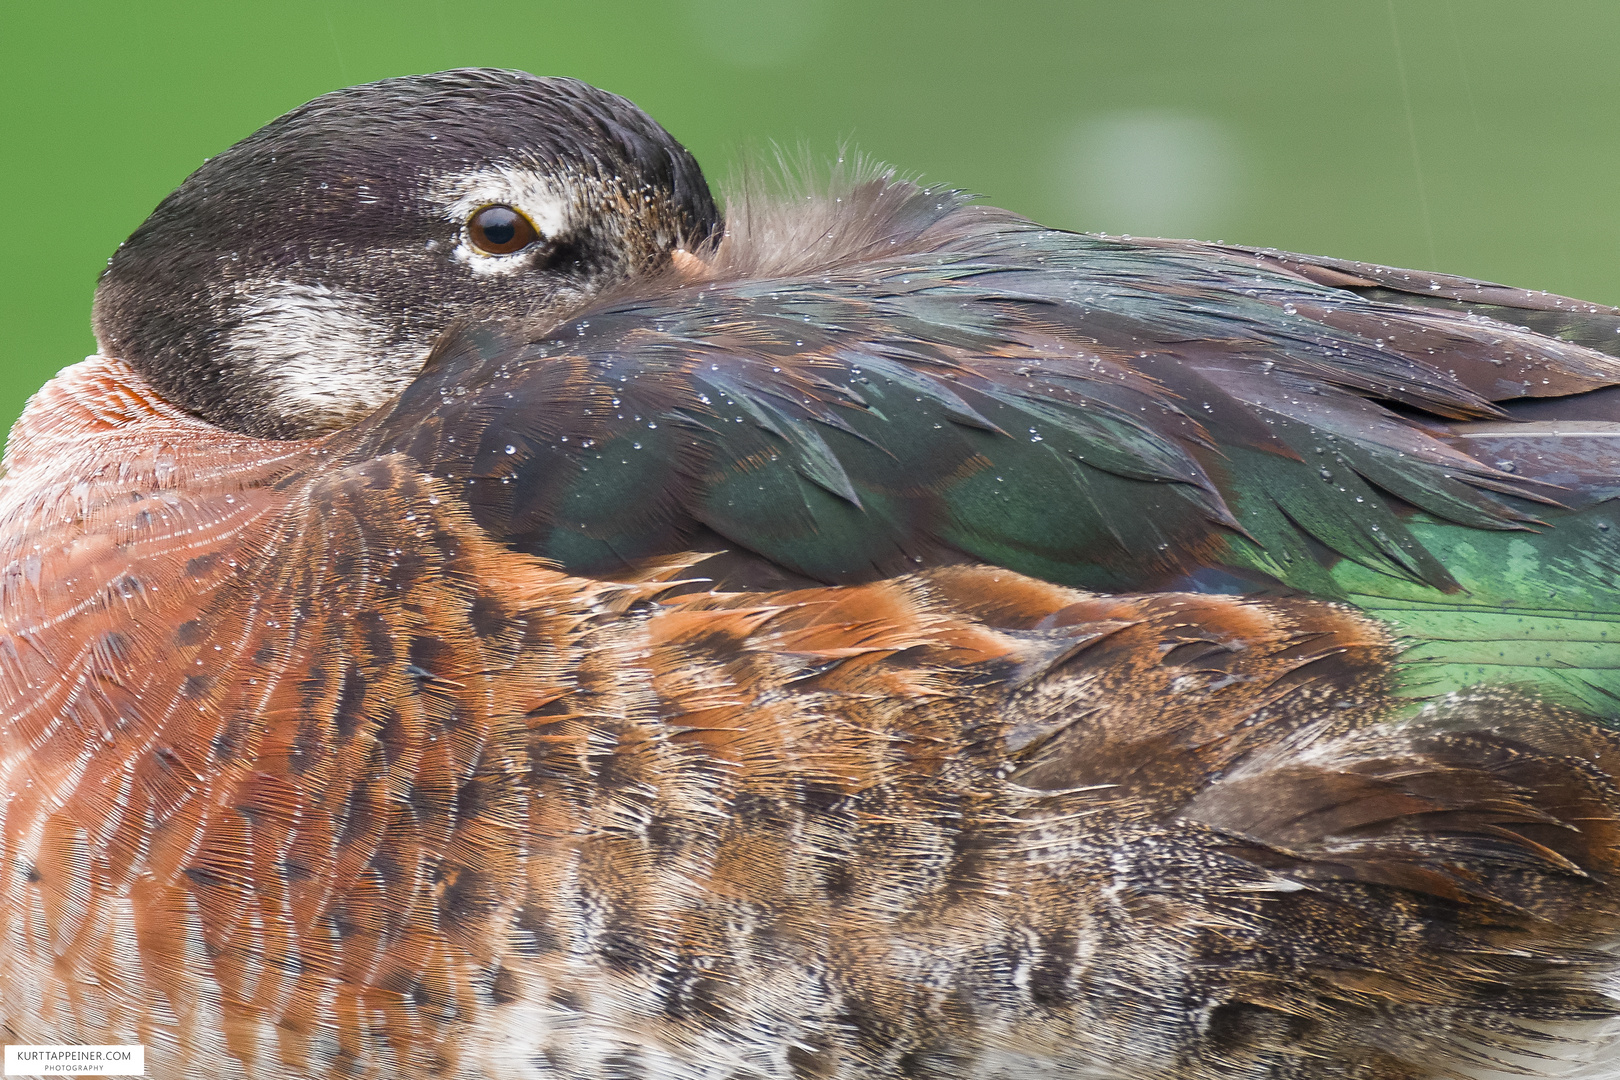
(510,449)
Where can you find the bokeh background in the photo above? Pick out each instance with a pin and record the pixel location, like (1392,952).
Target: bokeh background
(1474,137)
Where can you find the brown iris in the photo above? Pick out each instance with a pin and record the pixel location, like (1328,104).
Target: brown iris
(500,230)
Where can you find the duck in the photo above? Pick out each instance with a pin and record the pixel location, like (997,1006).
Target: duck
(486,611)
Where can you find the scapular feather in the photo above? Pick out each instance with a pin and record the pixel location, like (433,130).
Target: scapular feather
(1103,411)
(932,381)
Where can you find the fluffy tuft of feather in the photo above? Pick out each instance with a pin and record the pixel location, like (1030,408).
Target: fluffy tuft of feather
(790,215)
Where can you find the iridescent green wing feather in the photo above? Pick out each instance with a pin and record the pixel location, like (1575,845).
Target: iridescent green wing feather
(1099,412)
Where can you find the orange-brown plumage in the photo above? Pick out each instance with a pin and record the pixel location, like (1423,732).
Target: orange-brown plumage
(421,782)
(519,728)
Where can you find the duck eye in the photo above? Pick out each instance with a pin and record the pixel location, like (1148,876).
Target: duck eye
(500,230)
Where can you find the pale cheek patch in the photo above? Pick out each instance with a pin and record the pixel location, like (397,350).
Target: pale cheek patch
(323,359)
(541,199)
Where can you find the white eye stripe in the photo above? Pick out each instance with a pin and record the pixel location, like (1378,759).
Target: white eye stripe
(547,204)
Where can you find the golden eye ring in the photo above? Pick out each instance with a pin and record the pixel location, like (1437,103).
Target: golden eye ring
(500,230)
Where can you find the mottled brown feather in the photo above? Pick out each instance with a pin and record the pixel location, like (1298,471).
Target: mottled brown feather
(308,777)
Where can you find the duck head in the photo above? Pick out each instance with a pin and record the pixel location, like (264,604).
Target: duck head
(298,280)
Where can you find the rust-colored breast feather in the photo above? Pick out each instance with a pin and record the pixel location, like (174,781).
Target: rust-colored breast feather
(306,776)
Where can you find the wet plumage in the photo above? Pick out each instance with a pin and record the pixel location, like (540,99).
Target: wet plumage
(887,639)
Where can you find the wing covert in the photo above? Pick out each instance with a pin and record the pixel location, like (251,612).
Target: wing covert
(1096,411)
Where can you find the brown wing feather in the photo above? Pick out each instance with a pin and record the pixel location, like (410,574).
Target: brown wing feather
(307,777)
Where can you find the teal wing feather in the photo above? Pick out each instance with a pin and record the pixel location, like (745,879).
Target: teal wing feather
(1539,605)
(1100,412)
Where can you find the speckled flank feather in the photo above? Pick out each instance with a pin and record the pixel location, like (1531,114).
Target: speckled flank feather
(312,778)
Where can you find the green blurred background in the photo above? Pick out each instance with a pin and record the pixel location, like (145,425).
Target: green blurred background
(1477,138)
